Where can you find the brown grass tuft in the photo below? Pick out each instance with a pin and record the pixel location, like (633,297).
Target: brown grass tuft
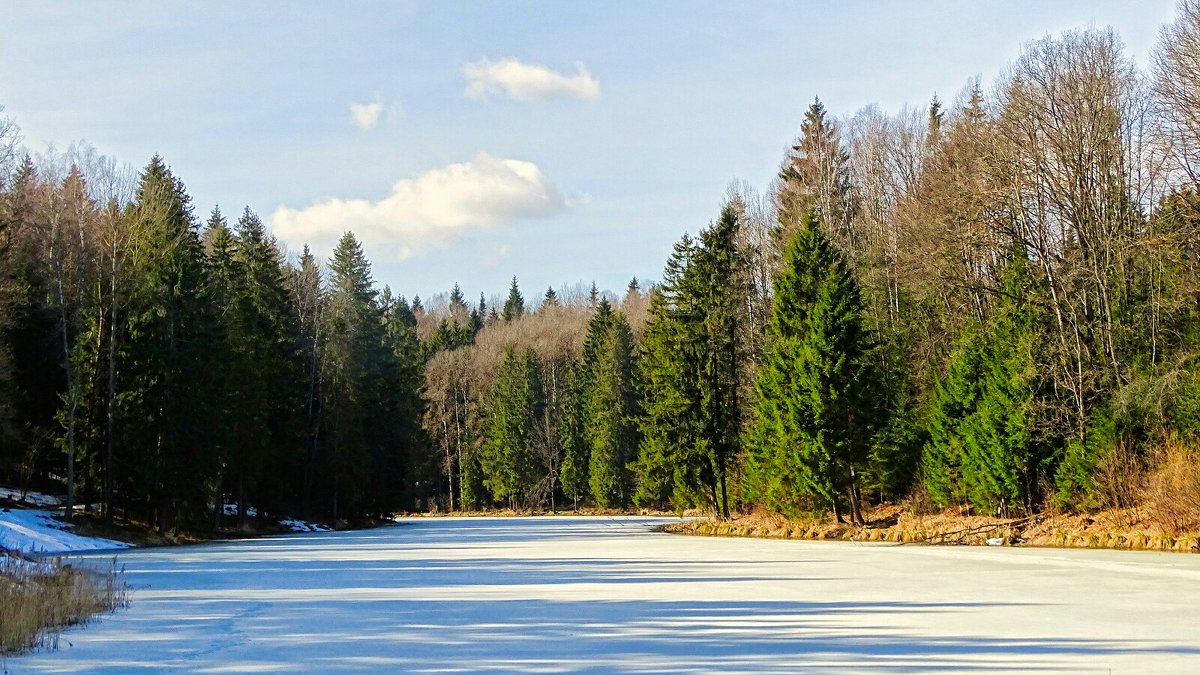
(41,598)
(1172,490)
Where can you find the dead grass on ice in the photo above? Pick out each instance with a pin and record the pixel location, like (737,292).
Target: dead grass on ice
(40,598)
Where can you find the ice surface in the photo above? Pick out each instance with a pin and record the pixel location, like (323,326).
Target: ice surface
(37,531)
(569,594)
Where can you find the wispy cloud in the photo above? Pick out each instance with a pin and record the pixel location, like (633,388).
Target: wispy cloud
(366,116)
(427,210)
(527,81)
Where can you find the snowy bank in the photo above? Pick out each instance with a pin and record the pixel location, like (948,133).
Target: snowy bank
(39,531)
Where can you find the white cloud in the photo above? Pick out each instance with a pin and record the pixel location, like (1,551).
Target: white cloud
(527,81)
(427,210)
(366,115)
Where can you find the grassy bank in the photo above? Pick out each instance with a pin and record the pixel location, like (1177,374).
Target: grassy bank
(40,598)
(1130,529)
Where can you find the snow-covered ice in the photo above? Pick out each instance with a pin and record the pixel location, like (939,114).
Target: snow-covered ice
(568,594)
(37,531)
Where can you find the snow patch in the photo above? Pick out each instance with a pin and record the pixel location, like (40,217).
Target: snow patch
(32,498)
(296,525)
(33,531)
(232,510)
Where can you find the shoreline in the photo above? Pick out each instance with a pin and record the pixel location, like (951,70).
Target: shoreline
(1095,531)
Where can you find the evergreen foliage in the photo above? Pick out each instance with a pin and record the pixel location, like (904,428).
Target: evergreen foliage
(608,408)
(818,395)
(508,459)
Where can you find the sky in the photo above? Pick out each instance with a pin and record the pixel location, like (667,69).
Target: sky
(468,142)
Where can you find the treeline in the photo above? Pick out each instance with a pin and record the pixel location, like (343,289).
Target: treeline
(158,367)
(994,303)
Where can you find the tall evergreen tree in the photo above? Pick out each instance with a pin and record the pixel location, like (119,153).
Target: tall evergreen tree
(309,301)
(609,406)
(816,175)
(171,370)
(576,456)
(672,461)
(817,409)
(354,364)
(508,459)
(693,407)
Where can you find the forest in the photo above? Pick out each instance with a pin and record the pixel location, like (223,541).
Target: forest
(991,302)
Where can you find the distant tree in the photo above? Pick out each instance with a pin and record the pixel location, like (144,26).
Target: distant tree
(550,299)
(814,176)
(514,306)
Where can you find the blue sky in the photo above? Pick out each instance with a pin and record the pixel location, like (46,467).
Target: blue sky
(556,141)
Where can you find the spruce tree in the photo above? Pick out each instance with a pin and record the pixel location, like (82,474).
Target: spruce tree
(955,399)
(514,306)
(691,374)
(309,302)
(550,299)
(172,370)
(508,459)
(609,406)
(671,465)
(354,371)
(576,456)
(817,407)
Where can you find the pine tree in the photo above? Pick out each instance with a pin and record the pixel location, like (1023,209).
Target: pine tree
(308,300)
(226,279)
(817,407)
(271,384)
(815,176)
(458,302)
(721,299)
(691,371)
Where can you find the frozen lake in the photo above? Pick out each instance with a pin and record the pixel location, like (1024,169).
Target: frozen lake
(566,594)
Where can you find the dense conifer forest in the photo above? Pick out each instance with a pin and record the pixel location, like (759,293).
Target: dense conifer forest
(991,301)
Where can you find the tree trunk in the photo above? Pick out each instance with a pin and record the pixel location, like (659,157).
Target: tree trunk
(111,403)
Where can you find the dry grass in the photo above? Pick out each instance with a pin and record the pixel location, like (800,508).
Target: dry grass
(1114,528)
(38,599)
(1172,488)
(1151,503)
